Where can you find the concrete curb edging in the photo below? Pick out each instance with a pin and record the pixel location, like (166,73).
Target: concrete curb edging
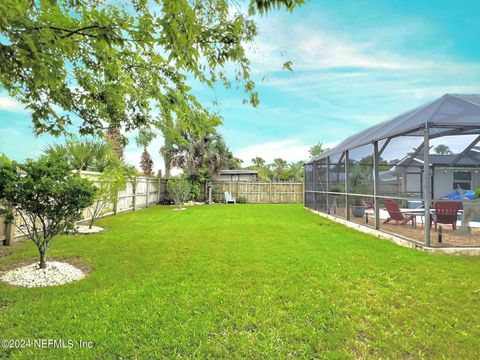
(398,239)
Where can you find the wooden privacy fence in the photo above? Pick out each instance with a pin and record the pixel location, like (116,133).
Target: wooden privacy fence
(260,192)
(139,192)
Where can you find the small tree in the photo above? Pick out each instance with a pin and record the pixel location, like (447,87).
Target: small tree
(316,150)
(47,195)
(179,190)
(144,138)
(146,163)
(111,181)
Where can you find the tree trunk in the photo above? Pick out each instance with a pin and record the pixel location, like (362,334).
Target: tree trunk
(167,168)
(94,215)
(43,260)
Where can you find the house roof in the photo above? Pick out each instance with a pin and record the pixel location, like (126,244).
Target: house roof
(451,114)
(238,172)
(446,160)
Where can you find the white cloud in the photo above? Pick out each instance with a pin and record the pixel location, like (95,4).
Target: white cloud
(312,45)
(8,103)
(322,53)
(326,50)
(288,149)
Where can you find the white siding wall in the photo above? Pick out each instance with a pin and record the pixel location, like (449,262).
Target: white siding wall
(442,183)
(476,180)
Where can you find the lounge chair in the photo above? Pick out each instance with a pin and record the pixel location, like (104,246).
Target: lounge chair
(229,198)
(395,214)
(446,212)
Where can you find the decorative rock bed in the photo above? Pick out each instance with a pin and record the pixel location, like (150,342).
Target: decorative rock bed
(85,229)
(56,273)
(193,203)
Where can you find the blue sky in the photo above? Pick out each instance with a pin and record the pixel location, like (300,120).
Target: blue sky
(356,63)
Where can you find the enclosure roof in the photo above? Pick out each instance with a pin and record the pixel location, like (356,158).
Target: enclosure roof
(451,114)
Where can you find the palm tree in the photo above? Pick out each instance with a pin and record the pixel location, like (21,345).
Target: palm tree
(442,149)
(258,162)
(85,154)
(279,167)
(195,152)
(295,171)
(144,138)
(169,149)
(168,152)
(234,163)
(115,138)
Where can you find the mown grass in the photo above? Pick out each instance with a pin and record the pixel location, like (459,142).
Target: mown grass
(257,281)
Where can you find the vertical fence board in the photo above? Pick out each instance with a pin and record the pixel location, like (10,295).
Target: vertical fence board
(259,192)
(139,192)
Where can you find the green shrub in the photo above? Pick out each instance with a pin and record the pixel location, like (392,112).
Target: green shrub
(47,194)
(179,191)
(194,191)
(241,200)
(477,194)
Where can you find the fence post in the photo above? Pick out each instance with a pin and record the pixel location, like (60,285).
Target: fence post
(135,179)
(270,192)
(115,203)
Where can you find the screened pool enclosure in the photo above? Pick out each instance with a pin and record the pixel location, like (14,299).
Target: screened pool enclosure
(414,176)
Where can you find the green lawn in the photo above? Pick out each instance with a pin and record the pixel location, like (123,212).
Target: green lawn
(261,281)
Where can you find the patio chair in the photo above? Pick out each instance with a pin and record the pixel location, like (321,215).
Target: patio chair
(229,198)
(446,212)
(395,214)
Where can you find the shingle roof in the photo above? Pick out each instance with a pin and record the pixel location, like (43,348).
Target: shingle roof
(238,172)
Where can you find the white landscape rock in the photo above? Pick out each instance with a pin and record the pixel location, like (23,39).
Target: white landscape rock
(56,273)
(85,229)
